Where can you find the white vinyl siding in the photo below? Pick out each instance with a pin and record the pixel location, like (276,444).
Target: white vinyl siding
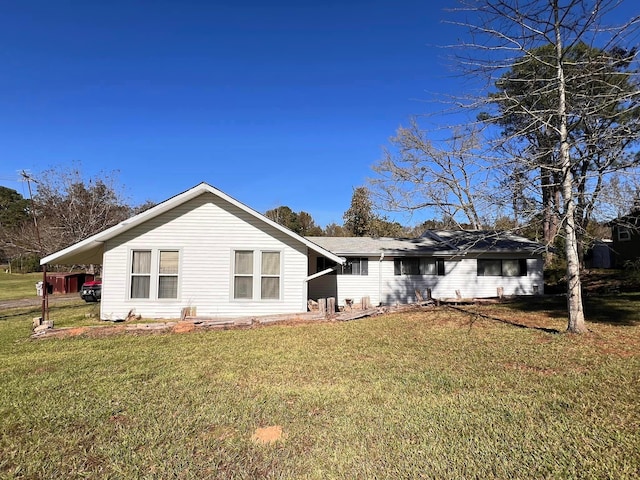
(208,230)
(384,286)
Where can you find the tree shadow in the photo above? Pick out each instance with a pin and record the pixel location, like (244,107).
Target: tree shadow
(619,310)
(502,320)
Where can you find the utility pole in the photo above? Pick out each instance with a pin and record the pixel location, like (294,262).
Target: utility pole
(45,297)
(28,179)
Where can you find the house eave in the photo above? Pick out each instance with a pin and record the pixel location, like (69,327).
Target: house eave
(94,243)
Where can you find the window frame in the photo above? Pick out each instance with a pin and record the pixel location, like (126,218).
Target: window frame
(257,276)
(264,275)
(154,274)
(419,266)
(347,267)
(483,263)
(134,276)
(624,234)
(243,275)
(162,275)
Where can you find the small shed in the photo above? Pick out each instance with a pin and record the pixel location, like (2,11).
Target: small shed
(67,282)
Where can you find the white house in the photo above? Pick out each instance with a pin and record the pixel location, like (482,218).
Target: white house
(204,249)
(199,249)
(389,270)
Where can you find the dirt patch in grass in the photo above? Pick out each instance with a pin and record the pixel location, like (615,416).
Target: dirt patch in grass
(267,435)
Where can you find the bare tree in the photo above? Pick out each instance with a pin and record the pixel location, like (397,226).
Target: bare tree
(70,208)
(578,113)
(451,180)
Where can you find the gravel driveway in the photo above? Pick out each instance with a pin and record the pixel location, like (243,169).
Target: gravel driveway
(37,301)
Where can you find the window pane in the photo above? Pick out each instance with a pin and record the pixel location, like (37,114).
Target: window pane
(270,287)
(271,263)
(355,266)
(168,287)
(244,263)
(364,266)
(489,268)
(141,262)
(243,287)
(427,266)
(510,268)
(140,286)
(410,266)
(168,263)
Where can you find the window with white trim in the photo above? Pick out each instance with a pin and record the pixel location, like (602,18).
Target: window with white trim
(270,276)
(243,274)
(140,273)
(624,235)
(257,275)
(154,274)
(354,266)
(418,266)
(488,267)
(168,273)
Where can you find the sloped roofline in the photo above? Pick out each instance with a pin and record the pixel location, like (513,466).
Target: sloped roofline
(95,241)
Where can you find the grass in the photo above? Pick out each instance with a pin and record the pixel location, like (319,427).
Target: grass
(436,393)
(15,286)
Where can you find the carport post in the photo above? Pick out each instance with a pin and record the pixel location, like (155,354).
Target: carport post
(45,298)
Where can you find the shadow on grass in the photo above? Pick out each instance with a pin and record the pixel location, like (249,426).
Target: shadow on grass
(502,320)
(620,310)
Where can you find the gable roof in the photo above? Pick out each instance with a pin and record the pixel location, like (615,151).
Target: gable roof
(432,243)
(91,249)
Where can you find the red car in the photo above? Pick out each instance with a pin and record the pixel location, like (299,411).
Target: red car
(91,291)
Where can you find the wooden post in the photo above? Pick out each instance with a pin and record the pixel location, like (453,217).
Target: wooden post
(322,305)
(365,303)
(429,297)
(331,306)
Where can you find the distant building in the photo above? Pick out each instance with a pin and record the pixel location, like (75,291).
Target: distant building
(625,233)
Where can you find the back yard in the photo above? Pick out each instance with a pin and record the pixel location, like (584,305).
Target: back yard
(433,393)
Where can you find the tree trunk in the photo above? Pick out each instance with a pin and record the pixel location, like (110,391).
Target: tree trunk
(549,216)
(576,323)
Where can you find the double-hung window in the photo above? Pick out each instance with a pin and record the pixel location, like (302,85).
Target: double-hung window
(243,274)
(256,275)
(270,276)
(154,273)
(168,274)
(140,273)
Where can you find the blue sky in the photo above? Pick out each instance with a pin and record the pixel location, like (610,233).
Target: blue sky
(275,103)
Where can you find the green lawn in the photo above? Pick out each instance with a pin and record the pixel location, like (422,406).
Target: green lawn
(429,394)
(17,285)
